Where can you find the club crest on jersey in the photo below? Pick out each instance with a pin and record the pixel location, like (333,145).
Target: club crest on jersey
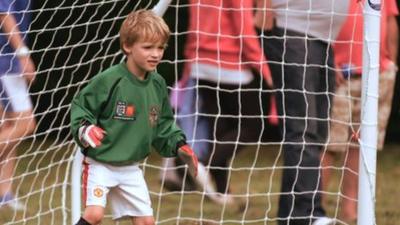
(98,192)
(153,115)
(124,111)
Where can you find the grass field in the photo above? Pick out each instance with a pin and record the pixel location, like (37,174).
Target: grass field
(255,181)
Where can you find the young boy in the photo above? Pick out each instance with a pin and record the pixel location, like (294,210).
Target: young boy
(119,116)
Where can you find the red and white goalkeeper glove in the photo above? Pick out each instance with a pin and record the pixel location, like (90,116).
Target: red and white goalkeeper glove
(187,155)
(91,135)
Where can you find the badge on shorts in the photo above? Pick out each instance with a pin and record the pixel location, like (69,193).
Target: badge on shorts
(98,192)
(124,111)
(153,115)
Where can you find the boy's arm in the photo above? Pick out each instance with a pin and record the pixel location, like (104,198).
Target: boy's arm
(170,140)
(85,109)
(168,133)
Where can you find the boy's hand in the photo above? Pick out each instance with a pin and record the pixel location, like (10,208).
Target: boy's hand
(91,135)
(187,155)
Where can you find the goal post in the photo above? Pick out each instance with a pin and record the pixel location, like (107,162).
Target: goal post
(76,185)
(369,113)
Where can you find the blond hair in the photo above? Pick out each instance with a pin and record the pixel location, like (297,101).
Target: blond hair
(143,25)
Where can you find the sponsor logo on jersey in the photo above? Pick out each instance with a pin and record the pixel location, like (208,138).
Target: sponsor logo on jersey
(98,192)
(153,115)
(124,111)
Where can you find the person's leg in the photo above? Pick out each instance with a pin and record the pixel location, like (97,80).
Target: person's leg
(143,220)
(340,126)
(348,208)
(324,90)
(17,122)
(93,214)
(131,198)
(217,124)
(350,187)
(195,128)
(97,181)
(15,126)
(345,122)
(82,222)
(244,128)
(193,125)
(299,105)
(387,80)
(327,160)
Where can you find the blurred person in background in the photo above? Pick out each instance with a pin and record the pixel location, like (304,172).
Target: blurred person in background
(296,36)
(218,100)
(346,109)
(16,69)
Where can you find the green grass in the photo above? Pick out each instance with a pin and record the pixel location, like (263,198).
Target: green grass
(255,181)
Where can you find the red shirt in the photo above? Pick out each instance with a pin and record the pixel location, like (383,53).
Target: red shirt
(222,33)
(349,43)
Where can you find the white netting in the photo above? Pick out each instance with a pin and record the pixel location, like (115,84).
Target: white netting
(70,41)
(73,40)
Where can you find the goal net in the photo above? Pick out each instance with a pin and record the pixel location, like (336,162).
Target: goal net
(71,41)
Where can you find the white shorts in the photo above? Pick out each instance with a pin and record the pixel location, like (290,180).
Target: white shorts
(14,93)
(124,185)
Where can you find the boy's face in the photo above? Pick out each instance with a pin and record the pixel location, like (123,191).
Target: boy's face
(144,56)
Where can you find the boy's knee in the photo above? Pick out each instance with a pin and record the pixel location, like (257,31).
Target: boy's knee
(145,220)
(93,215)
(149,221)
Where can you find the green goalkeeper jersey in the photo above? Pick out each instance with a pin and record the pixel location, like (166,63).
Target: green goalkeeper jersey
(135,114)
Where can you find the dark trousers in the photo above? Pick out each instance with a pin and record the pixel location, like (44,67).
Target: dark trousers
(304,86)
(235,118)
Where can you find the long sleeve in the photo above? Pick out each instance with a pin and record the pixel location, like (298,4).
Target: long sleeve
(168,133)
(86,107)
(252,53)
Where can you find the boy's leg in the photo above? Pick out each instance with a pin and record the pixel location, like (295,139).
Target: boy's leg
(82,222)
(143,220)
(97,182)
(130,198)
(92,216)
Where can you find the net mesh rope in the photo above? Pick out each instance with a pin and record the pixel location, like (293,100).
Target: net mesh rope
(70,42)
